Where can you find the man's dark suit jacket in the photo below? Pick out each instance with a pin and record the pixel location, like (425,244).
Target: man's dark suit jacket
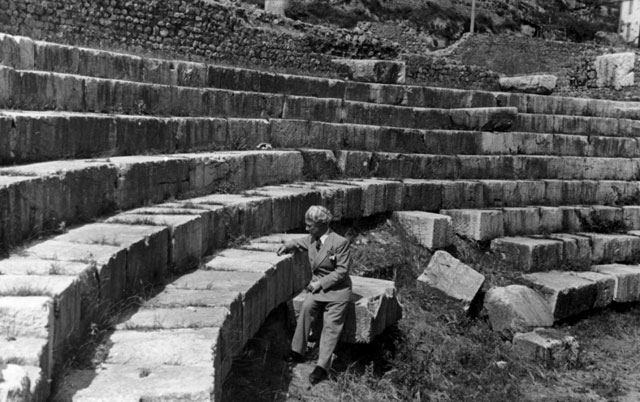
(330,266)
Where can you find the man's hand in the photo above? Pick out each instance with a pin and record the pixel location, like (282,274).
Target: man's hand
(314,287)
(282,250)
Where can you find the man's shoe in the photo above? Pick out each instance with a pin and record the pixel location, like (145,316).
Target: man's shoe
(318,374)
(295,357)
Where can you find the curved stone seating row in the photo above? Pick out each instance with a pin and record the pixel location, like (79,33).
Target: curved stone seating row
(453,167)
(53,290)
(37,136)
(557,295)
(583,125)
(24,53)
(44,196)
(489,224)
(36,90)
(579,250)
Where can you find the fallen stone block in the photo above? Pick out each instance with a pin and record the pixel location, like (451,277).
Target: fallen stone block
(452,277)
(430,230)
(566,294)
(475,224)
(542,84)
(516,308)
(627,281)
(374,307)
(380,71)
(548,346)
(529,254)
(609,248)
(615,70)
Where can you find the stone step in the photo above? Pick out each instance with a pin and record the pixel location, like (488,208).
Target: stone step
(37,136)
(464,167)
(33,90)
(376,307)
(584,125)
(562,251)
(46,195)
(24,53)
(488,224)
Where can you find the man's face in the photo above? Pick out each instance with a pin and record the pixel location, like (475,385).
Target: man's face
(315,230)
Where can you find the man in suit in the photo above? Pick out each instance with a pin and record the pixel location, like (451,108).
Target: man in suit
(329,290)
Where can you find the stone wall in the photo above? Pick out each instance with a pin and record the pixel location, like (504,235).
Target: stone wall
(445,72)
(196,30)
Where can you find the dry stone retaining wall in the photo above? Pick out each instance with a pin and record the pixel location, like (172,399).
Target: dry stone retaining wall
(193,30)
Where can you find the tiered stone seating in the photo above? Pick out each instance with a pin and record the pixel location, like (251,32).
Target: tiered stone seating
(170,146)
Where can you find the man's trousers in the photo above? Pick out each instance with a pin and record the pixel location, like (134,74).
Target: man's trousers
(333,321)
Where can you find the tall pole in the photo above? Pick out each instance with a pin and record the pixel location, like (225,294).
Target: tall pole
(473,16)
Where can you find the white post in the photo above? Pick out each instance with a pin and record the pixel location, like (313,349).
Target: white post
(473,16)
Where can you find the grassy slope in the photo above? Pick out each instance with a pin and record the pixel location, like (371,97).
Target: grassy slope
(436,352)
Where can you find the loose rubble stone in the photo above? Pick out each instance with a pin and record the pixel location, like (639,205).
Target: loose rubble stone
(543,84)
(516,308)
(452,277)
(429,230)
(548,346)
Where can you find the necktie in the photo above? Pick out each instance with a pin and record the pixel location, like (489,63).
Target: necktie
(318,244)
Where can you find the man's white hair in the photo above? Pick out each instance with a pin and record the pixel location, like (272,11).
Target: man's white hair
(318,214)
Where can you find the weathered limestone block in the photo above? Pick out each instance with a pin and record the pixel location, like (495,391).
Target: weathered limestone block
(15,384)
(476,224)
(576,250)
(103,284)
(147,248)
(179,347)
(379,196)
(430,230)
(631,217)
(615,70)
(422,195)
(627,281)
(65,294)
(252,286)
(548,346)
(452,277)
(26,350)
(146,319)
(550,219)
(543,84)
(129,383)
(521,221)
(276,6)
(289,204)
(566,294)
(607,248)
(374,307)
(529,254)
(381,71)
(186,235)
(516,308)
(605,286)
